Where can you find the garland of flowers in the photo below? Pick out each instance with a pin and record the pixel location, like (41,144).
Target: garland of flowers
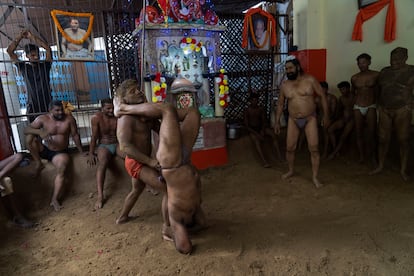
(72,14)
(222,81)
(159,90)
(189,45)
(254,37)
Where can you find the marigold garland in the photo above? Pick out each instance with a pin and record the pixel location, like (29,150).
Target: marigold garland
(189,44)
(54,13)
(159,89)
(222,81)
(253,36)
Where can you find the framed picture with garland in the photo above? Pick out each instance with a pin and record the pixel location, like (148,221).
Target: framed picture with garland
(74,35)
(259,31)
(259,35)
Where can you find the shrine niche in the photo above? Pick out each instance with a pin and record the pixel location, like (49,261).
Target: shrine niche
(180,54)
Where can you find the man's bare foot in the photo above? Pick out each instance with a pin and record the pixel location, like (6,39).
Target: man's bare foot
(376,171)
(99,203)
(56,205)
(317,183)
(287,175)
(404,176)
(124,219)
(167,234)
(266,165)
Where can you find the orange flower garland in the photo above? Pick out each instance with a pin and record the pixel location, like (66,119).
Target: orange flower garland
(54,13)
(224,97)
(252,35)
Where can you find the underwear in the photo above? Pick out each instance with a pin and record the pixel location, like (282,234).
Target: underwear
(133,167)
(301,122)
(364,109)
(110,147)
(48,154)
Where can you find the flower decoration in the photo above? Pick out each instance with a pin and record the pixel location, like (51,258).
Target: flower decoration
(159,89)
(222,81)
(190,45)
(54,14)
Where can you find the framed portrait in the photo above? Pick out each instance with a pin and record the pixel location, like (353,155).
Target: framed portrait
(74,35)
(259,31)
(364,3)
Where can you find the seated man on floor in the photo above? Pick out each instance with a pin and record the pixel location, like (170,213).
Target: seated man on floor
(173,154)
(104,135)
(47,137)
(6,190)
(255,122)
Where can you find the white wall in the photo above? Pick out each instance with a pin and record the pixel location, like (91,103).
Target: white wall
(329,24)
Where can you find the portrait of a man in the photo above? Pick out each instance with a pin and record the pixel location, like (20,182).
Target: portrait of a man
(259,35)
(75,41)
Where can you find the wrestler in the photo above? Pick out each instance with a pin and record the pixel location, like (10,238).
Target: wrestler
(134,137)
(299,90)
(345,121)
(364,87)
(255,122)
(396,83)
(182,179)
(104,135)
(54,130)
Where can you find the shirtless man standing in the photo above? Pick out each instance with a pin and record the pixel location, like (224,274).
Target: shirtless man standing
(345,119)
(364,86)
(134,136)
(300,90)
(395,99)
(255,122)
(73,50)
(103,131)
(54,130)
(173,154)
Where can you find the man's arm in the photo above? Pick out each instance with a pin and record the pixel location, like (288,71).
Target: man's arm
(12,47)
(126,144)
(94,138)
(279,109)
(36,128)
(75,134)
(317,88)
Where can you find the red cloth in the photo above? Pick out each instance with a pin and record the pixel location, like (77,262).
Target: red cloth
(263,13)
(369,11)
(133,167)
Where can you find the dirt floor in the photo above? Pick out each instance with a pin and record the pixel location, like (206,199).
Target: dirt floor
(259,225)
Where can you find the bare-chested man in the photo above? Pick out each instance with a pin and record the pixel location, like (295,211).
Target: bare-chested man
(396,83)
(134,136)
(104,134)
(300,90)
(255,122)
(54,130)
(75,50)
(345,121)
(173,154)
(364,87)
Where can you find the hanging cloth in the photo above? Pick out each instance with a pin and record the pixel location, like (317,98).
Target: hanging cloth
(369,11)
(247,27)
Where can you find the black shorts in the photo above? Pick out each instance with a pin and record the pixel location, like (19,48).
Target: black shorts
(49,154)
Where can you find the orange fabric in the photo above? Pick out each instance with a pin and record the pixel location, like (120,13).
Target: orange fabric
(246,26)
(133,167)
(368,12)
